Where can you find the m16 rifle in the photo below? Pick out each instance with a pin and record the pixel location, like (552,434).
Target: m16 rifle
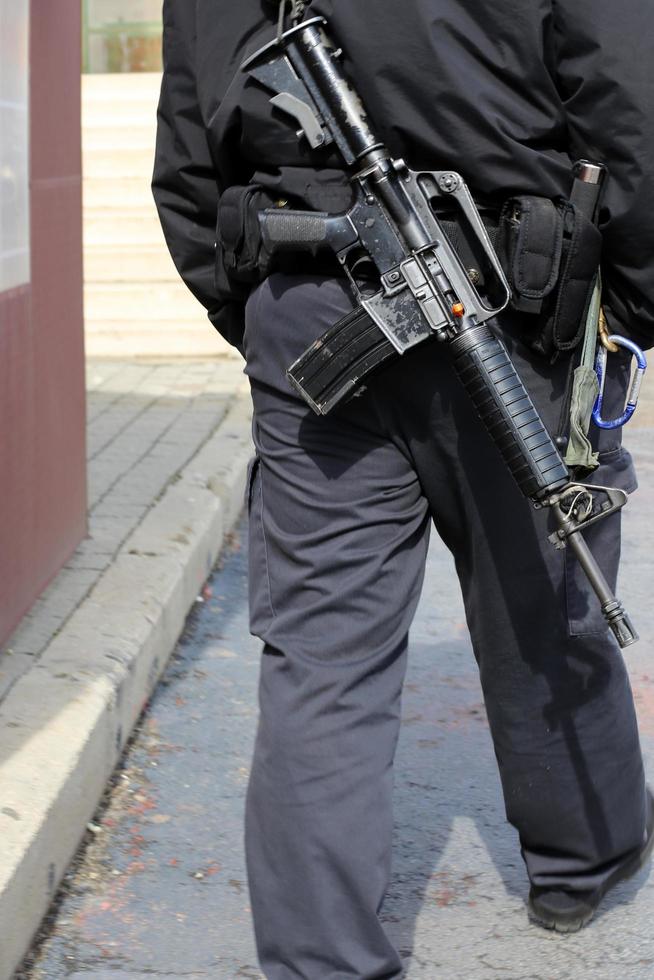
(411,284)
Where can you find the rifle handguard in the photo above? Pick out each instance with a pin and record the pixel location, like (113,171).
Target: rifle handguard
(485,370)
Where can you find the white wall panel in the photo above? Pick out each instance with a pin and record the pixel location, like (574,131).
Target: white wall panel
(14,144)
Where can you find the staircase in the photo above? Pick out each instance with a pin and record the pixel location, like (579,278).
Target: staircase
(135,303)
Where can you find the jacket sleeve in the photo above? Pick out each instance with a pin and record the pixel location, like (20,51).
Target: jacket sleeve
(185,182)
(606,79)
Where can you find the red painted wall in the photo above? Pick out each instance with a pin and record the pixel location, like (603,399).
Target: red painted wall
(42,396)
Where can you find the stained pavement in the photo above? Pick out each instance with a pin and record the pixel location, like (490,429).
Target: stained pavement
(160,890)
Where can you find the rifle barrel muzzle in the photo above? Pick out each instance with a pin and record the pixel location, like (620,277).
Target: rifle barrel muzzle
(612,609)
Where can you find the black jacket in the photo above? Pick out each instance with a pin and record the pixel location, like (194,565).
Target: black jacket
(508,92)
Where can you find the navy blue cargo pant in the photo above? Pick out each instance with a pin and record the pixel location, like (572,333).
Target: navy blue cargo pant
(340,513)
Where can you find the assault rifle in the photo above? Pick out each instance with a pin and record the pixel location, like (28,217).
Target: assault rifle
(412,284)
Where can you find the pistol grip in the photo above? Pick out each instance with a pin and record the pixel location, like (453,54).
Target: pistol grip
(284,230)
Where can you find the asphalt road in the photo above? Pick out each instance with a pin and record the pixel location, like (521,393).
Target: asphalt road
(160,891)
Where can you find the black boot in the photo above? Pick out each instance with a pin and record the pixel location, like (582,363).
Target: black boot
(568,911)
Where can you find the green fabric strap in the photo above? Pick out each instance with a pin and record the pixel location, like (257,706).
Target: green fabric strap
(585,390)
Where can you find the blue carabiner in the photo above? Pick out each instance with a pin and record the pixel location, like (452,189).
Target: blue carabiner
(632,398)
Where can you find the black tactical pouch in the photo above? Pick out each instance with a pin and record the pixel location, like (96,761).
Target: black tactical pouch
(550,253)
(240,257)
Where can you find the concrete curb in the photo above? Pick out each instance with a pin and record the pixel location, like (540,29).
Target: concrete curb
(64,724)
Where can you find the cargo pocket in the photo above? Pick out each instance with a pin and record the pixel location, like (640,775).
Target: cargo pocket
(616,469)
(260,603)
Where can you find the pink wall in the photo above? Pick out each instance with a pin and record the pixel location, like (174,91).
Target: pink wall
(42,400)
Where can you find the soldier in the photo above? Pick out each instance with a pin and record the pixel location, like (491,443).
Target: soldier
(509,94)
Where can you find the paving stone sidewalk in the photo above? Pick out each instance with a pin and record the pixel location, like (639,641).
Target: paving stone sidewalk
(168,447)
(145,422)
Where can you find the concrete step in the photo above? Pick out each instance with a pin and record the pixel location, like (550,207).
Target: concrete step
(119,100)
(129,264)
(123,228)
(140,136)
(100,115)
(112,162)
(141,302)
(121,193)
(111,89)
(135,303)
(183,338)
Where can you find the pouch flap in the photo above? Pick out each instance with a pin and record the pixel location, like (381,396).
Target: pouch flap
(578,273)
(238,234)
(232,226)
(539,241)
